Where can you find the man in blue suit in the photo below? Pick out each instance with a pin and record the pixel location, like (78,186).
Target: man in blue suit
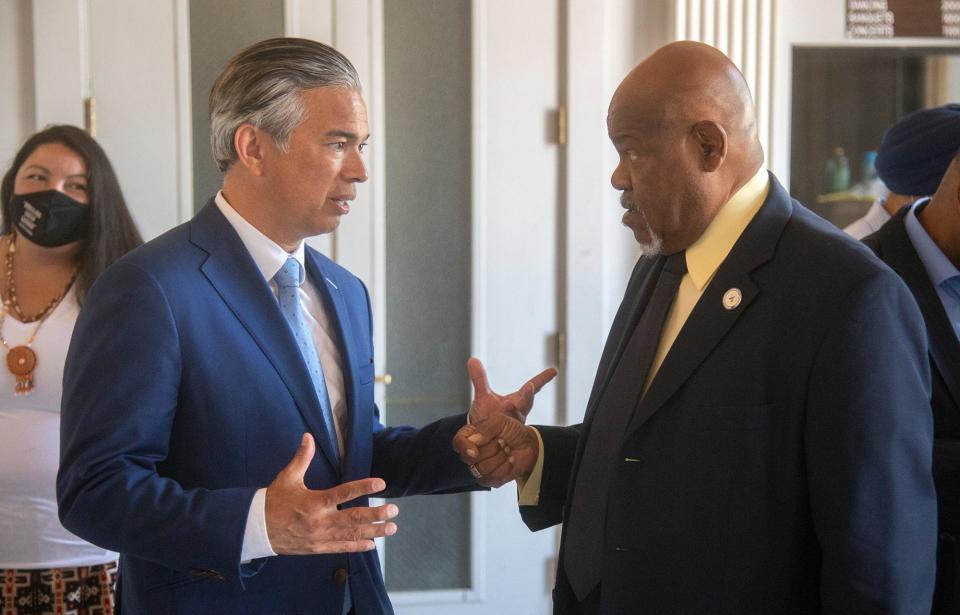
(758,439)
(202,362)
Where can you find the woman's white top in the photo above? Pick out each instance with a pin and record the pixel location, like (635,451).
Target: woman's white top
(30,532)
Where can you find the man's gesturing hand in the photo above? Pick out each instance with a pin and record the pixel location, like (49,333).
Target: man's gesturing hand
(499,449)
(516,404)
(303,522)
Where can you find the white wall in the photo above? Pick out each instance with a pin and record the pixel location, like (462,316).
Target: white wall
(634,30)
(16,89)
(133,75)
(605,39)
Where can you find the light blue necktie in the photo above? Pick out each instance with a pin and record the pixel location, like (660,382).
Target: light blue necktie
(288,280)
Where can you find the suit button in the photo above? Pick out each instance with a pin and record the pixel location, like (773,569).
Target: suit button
(340,576)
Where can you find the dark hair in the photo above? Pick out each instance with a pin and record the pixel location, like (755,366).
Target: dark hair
(112,230)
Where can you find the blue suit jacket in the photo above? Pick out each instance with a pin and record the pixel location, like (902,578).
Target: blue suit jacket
(184,392)
(780,461)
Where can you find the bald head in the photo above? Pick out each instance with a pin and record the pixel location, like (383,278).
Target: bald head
(684,83)
(687,110)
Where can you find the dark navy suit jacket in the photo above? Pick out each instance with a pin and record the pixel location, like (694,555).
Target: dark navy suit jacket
(780,461)
(892,244)
(184,392)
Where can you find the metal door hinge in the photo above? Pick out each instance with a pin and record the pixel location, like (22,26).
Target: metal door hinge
(90,115)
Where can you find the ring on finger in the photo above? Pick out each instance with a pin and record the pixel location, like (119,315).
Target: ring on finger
(475,472)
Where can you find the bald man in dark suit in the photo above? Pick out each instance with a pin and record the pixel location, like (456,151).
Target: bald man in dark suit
(750,445)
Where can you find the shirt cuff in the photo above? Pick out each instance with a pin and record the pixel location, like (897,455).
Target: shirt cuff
(256,543)
(528,489)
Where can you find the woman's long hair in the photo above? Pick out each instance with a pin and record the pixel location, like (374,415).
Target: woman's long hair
(112,230)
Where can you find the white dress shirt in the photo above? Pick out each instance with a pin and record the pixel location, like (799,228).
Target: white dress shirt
(269,258)
(870,223)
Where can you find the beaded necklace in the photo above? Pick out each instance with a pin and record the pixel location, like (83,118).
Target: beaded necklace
(22,359)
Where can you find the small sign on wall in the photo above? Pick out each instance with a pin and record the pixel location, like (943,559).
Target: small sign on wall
(903,18)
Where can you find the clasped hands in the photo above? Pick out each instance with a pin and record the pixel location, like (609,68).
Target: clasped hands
(496,444)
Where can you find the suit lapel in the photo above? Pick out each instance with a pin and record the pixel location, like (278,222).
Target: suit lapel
(328,285)
(232,272)
(710,321)
(898,252)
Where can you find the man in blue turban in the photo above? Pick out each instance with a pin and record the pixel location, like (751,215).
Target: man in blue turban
(912,158)
(921,242)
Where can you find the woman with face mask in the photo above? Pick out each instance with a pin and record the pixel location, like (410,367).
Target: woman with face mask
(64,222)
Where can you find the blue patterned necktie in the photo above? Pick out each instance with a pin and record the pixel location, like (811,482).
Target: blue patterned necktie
(288,280)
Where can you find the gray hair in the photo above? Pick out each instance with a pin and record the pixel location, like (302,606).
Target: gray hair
(262,85)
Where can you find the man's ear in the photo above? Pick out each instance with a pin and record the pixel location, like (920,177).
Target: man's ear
(250,144)
(711,141)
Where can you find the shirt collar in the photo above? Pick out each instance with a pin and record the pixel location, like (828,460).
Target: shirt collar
(707,252)
(938,266)
(267,254)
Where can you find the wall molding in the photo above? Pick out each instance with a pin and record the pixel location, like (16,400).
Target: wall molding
(184,108)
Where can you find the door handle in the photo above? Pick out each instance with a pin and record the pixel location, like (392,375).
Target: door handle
(383,378)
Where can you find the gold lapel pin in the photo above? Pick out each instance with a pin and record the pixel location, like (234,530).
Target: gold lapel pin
(732,298)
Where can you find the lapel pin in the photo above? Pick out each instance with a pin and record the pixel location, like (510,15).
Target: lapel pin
(732,298)
(330,282)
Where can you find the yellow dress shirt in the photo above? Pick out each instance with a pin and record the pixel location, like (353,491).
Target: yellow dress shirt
(703,259)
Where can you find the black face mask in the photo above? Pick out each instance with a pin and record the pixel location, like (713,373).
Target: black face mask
(50,218)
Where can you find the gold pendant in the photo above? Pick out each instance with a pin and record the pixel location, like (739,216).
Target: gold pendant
(21,361)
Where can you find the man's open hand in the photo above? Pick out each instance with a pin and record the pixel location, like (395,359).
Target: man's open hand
(302,522)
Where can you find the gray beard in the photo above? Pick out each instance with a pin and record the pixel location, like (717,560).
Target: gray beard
(653,246)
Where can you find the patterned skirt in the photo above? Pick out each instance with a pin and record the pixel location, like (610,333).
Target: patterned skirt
(86,590)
